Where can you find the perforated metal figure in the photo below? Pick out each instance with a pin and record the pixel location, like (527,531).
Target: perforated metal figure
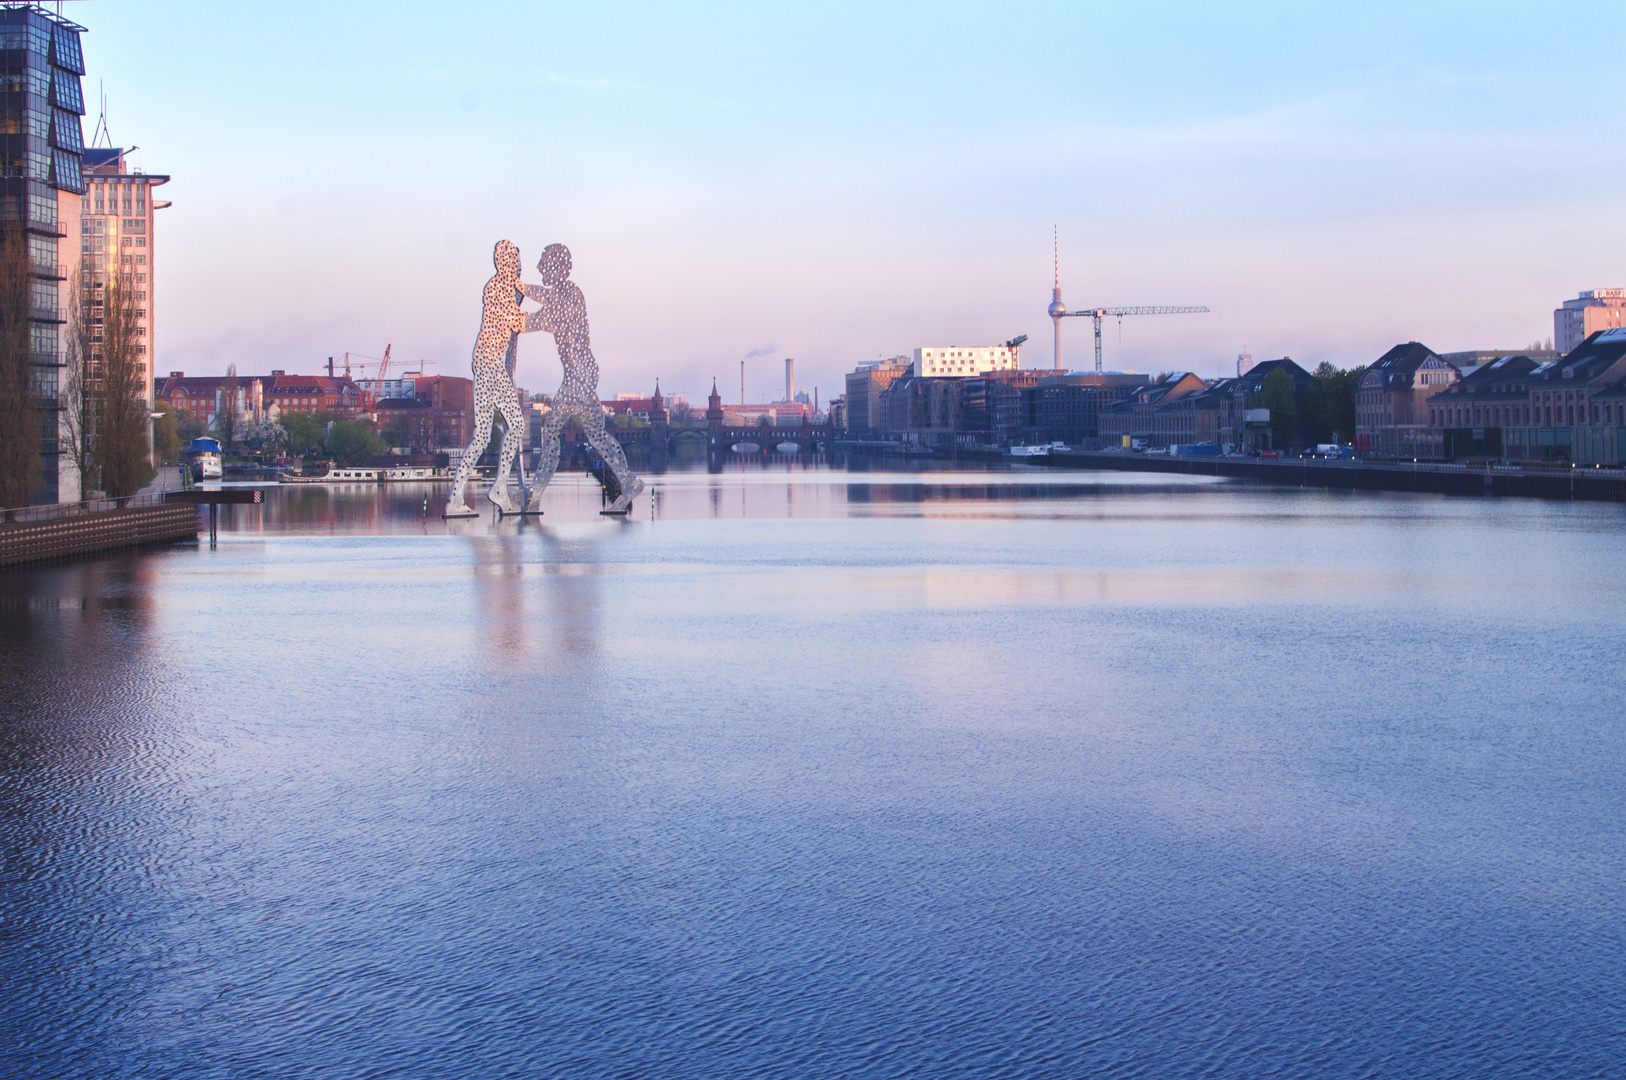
(500,320)
(563,313)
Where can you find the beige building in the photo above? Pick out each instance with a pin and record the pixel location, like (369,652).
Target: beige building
(1593,310)
(114,222)
(864,388)
(1391,403)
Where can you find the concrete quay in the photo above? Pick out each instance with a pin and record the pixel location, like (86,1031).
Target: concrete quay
(34,534)
(1520,481)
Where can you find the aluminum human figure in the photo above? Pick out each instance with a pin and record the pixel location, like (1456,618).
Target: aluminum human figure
(563,313)
(500,320)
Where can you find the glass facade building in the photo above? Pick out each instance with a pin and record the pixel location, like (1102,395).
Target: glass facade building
(41,142)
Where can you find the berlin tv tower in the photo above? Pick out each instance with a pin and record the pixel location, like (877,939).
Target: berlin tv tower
(1057,308)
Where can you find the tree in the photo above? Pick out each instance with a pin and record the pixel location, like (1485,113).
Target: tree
(226,416)
(306,431)
(19,416)
(166,435)
(120,452)
(74,396)
(352,443)
(262,434)
(1277,396)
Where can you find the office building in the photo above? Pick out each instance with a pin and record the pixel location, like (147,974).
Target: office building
(961,361)
(864,387)
(1391,403)
(1593,310)
(41,139)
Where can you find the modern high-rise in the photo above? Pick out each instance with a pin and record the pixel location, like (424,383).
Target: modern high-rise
(116,236)
(41,139)
(1593,310)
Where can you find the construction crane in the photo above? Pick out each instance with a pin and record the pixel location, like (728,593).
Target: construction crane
(1097,314)
(1058,311)
(1015,345)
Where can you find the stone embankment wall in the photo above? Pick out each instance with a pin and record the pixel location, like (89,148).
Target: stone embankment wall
(103,530)
(1607,485)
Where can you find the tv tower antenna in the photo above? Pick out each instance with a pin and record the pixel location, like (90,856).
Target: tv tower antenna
(1057,308)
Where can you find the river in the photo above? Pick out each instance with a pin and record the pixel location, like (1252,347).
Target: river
(809,769)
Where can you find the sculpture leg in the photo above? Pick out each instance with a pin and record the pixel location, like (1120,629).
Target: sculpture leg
(465,465)
(552,425)
(614,458)
(505,458)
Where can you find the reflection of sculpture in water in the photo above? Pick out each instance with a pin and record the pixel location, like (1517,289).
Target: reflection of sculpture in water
(564,314)
(500,319)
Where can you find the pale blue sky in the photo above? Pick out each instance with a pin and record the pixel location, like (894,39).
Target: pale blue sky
(844,181)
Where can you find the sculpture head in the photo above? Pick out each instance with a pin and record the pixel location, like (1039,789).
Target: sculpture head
(506,258)
(554,264)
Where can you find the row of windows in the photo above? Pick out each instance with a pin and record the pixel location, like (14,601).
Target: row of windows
(37,209)
(94,243)
(1546,415)
(95,262)
(18,80)
(35,39)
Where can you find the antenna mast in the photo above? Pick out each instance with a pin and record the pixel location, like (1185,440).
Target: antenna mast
(101,121)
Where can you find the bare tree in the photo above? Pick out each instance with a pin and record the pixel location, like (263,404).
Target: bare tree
(120,450)
(19,412)
(226,415)
(75,394)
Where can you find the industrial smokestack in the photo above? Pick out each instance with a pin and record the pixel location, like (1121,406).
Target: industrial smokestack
(330,367)
(742,382)
(790,377)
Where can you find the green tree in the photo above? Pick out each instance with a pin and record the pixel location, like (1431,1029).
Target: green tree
(1341,413)
(120,451)
(1277,396)
(76,394)
(226,417)
(19,415)
(166,435)
(352,443)
(306,431)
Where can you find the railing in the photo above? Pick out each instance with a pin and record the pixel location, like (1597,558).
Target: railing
(57,511)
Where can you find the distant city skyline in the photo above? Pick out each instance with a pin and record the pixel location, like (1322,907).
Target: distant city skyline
(851,183)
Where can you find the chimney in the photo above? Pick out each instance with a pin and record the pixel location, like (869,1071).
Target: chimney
(330,367)
(790,373)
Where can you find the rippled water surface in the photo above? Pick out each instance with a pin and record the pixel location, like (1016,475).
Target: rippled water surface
(808,772)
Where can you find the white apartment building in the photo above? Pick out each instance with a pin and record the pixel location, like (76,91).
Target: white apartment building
(961,361)
(1593,310)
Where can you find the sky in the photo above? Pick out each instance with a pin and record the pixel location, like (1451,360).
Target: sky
(841,182)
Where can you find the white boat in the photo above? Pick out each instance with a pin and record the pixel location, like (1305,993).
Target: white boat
(203,458)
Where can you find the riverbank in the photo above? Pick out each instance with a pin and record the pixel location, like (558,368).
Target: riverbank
(1531,482)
